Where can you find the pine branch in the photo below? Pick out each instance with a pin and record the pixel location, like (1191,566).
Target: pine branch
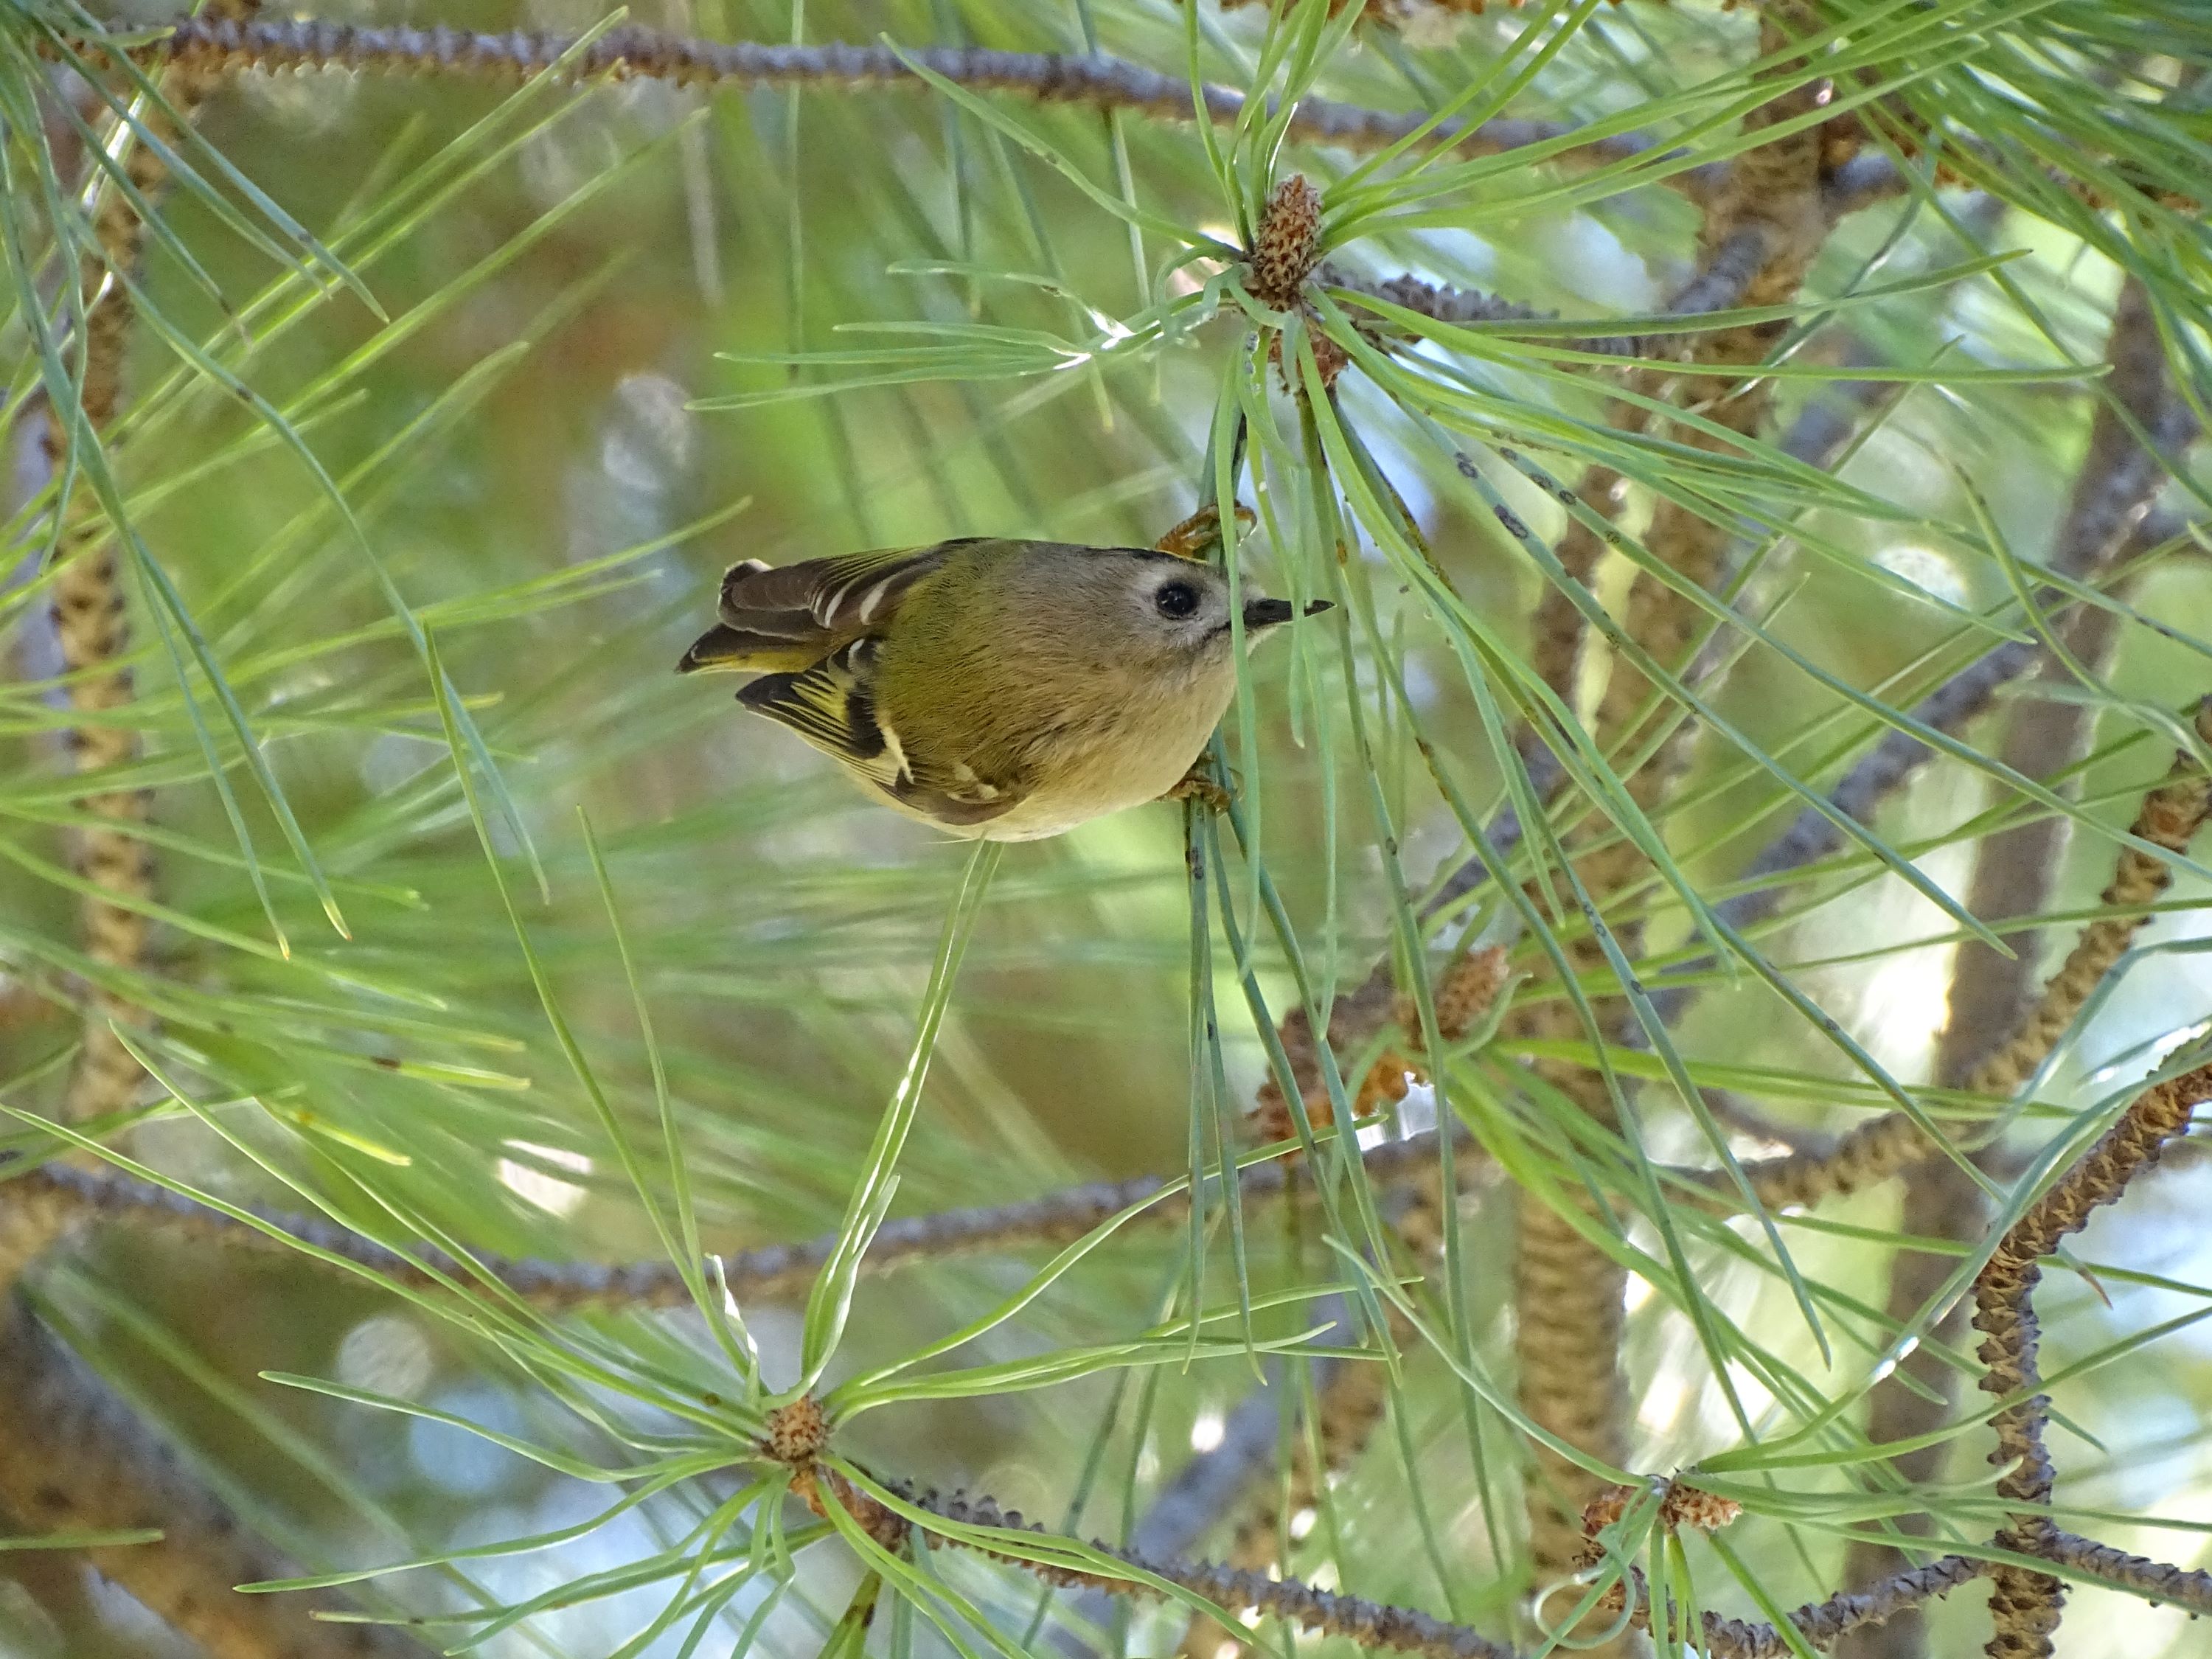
(1719,285)
(1376,1625)
(1365,1624)
(2025,1605)
(225,46)
(2155,1581)
(767,1273)
(1818,1623)
(80,1459)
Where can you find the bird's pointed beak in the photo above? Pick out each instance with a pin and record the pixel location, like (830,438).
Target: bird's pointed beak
(720,647)
(1267,613)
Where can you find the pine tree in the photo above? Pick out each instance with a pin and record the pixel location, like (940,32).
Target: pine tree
(1582,1142)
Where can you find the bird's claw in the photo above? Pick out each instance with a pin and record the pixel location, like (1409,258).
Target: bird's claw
(1197,534)
(1199,784)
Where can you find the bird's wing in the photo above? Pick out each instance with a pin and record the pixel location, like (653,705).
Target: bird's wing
(833,706)
(792,616)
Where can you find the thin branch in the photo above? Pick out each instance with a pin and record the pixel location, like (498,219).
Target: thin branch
(2156,1581)
(1721,283)
(2025,1605)
(1818,1623)
(1367,1624)
(228,46)
(1377,1625)
(767,1272)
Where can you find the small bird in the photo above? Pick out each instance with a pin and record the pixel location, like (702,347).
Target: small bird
(1006,690)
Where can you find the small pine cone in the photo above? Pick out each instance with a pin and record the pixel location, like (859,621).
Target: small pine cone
(1463,995)
(1330,360)
(1287,244)
(1686,1506)
(1469,989)
(1608,1507)
(1270,1117)
(797,1432)
(1385,1084)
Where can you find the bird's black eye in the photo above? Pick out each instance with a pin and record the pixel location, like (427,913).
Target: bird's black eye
(1177,599)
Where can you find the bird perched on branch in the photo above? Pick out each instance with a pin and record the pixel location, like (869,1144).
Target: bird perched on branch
(1001,690)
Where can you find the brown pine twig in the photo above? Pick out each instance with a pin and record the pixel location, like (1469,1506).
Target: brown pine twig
(2025,1605)
(1366,1624)
(1819,1624)
(769,1272)
(1371,1625)
(2155,1581)
(1719,286)
(227,46)
(1350,1399)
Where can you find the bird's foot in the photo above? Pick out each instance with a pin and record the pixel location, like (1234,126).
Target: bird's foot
(1196,536)
(1199,784)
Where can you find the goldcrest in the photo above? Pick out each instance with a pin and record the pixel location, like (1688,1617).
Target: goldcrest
(1002,689)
